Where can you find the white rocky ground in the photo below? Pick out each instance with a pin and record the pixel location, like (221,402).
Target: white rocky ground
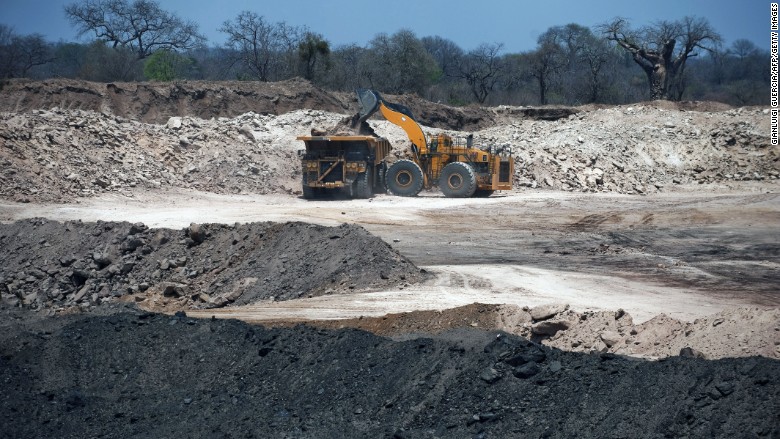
(633,149)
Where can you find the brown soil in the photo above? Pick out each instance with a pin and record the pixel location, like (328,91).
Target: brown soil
(152,102)
(740,332)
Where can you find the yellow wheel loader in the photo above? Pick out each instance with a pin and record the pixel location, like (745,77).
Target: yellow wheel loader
(457,167)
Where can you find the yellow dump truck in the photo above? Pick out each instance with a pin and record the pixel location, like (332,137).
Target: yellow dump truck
(352,165)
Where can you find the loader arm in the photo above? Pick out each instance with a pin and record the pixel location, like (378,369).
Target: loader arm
(370,101)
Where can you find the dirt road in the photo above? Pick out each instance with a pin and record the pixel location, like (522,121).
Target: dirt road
(685,254)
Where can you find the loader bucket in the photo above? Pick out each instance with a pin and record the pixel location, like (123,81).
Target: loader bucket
(369,103)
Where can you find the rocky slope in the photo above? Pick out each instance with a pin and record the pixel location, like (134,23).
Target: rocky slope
(739,332)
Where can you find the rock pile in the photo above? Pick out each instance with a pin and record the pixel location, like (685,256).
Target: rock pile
(636,149)
(731,333)
(58,155)
(52,265)
(738,332)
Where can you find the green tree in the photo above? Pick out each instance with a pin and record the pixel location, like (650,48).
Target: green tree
(311,49)
(344,72)
(545,63)
(398,64)
(165,65)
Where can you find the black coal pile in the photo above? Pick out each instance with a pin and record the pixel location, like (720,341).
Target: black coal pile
(133,374)
(50,265)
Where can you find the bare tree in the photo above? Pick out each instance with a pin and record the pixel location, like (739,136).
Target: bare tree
(265,49)
(579,60)
(663,49)
(545,62)
(106,64)
(481,68)
(595,56)
(20,53)
(743,49)
(141,26)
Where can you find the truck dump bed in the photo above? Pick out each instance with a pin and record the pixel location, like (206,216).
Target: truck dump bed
(334,146)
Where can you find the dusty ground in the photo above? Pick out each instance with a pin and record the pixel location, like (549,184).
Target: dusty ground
(687,255)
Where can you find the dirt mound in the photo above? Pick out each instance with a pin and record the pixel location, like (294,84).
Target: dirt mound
(737,332)
(153,102)
(150,375)
(52,265)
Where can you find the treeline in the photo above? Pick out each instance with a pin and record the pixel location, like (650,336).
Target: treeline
(572,64)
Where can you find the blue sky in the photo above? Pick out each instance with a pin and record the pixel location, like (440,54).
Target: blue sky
(468,23)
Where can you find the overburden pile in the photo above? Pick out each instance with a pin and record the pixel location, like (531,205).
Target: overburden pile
(134,374)
(52,265)
(62,140)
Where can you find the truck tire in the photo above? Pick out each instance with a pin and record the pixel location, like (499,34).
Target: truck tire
(381,171)
(404,178)
(457,180)
(309,193)
(363,184)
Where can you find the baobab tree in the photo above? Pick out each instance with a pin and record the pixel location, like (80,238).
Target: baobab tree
(663,49)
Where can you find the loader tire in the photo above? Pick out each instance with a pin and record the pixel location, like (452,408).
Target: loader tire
(363,185)
(457,180)
(404,178)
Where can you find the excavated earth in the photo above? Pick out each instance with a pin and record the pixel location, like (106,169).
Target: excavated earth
(96,340)
(61,140)
(119,373)
(56,266)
